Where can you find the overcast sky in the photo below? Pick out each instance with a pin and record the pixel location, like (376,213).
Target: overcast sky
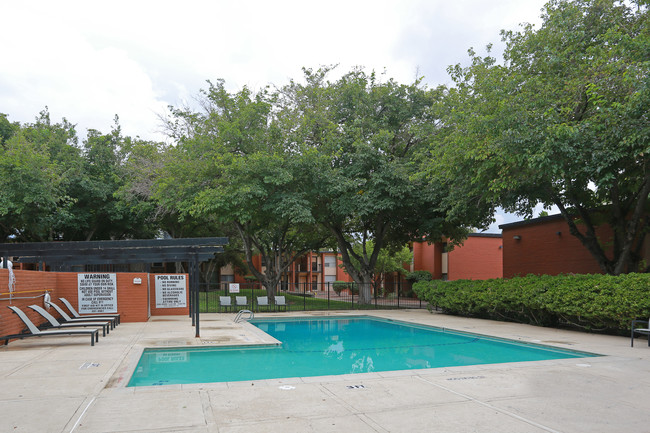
(88,61)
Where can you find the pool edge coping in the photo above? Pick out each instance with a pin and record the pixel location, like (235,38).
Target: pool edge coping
(308,379)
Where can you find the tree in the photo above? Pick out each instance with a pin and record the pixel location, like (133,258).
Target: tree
(7,129)
(564,122)
(33,197)
(389,261)
(393,261)
(54,189)
(359,138)
(30,191)
(145,162)
(232,165)
(92,174)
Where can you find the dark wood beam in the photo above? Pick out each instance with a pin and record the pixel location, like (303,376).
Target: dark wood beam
(33,248)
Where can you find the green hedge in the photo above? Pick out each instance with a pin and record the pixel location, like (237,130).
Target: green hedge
(601,303)
(417,276)
(339,286)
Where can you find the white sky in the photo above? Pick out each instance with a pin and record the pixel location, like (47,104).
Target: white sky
(88,61)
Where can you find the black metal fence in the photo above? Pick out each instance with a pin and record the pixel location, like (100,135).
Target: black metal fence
(306,297)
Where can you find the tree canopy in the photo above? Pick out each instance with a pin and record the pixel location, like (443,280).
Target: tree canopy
(294,167)
(232,165)
(360,137)
(564,122)
(52,188)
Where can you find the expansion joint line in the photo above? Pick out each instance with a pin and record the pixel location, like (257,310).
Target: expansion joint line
(82,414)
(111,371)
(488,405)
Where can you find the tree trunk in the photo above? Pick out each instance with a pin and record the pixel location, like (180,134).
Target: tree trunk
(365,274)
(624,259)
(365,288)
(588,239)
(633,228)
(276,257)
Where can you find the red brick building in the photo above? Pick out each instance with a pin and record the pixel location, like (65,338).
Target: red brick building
(478,258)
(545,246)
(312,271)
(429,257)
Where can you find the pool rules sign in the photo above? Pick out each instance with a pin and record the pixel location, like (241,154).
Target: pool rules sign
(97,293)
(171,291)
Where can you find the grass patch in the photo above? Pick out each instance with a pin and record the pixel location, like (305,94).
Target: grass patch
(209,301)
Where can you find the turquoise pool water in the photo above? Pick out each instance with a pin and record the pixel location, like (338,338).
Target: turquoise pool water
(333,346)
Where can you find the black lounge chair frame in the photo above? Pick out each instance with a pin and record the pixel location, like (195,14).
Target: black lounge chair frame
(35,332)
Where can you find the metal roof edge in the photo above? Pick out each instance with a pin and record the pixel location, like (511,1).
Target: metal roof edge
(531,221)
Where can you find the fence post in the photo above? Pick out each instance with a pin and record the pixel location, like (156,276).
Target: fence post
(191,303)
(399,289)
(328,296)
(375,292)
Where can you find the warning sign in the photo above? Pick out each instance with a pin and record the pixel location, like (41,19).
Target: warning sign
(171,291)
(97,293)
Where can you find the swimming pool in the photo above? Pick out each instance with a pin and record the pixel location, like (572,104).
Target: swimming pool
(334,346)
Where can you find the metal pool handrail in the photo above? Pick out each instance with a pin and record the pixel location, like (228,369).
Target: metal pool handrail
(240,316)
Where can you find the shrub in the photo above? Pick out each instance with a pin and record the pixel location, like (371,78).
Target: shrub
(417,276)
(339,286)
(602,303)
(412,278)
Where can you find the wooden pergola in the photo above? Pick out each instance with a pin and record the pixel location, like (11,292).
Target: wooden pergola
(64,255)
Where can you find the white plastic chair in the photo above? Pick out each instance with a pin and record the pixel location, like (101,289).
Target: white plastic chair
(241,301)
(280,301)
(225,302)
(263,301)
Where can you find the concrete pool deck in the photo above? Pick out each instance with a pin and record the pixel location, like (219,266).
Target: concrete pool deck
(62,384)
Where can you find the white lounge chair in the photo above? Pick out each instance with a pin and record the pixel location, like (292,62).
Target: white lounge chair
(35,332)
(642,331)
(105,325)
(115,317)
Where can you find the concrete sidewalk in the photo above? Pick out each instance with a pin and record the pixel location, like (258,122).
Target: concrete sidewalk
(65,385)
